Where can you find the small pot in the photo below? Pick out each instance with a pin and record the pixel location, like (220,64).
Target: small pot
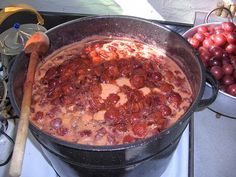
(224,103)
(71,159)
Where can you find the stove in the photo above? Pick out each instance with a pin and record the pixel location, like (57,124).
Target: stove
(37,165)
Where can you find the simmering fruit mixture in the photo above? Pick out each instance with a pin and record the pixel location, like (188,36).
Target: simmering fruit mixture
(107,92)
(216,45)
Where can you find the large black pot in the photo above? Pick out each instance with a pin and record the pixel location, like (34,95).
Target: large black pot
(74,159)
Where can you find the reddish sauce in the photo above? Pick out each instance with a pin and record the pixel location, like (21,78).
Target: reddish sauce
(108,92)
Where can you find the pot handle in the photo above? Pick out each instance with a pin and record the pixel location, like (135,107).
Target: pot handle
(215,88)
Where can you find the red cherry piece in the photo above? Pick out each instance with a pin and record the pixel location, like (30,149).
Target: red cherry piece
(128,139)
(62,131)
(165,110)
(174,98)
(112,116)
(113,71)
(137,81)
(140,129)
(166,87)
(135,118)
(156,76)
(68,89)
(86,133)
(112,99)
(38,115)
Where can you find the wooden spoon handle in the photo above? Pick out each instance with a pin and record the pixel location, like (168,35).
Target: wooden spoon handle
(22,131)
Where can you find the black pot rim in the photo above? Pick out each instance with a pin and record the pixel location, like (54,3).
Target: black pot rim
(185,117)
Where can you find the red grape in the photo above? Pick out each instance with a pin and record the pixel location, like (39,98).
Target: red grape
(217,72)
(231,89)
(228,26)
(228,69)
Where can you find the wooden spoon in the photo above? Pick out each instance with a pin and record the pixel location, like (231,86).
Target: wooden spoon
(37,45)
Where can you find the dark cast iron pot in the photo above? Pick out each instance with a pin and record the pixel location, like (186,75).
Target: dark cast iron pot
(70,159)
